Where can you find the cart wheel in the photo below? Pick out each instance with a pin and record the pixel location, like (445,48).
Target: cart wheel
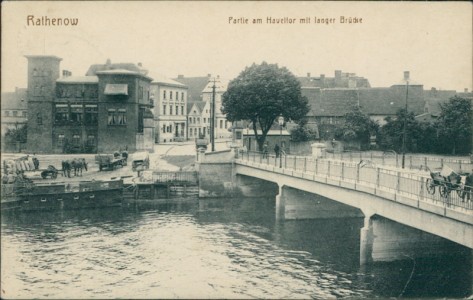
(430,186)
(443,190)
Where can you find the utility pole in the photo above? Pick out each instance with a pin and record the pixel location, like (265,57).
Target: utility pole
(212,117)
(404,133)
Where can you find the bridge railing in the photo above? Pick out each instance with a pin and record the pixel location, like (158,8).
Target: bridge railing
(401,183)
(412,161)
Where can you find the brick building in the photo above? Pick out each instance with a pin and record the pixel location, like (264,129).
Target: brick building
(104,111)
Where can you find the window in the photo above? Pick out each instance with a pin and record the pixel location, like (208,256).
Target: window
(198,120)
(91,140)
(7,113)
(77,113)
(60,140)
(221,124)
(91,115)
(62,114)
(190,132)
(24,114)
(226,124)
(15,113)
(117,117)
(39,119)
(76,140)
(190,120)
(182,109)
(141,120)
(164,94)
(170,109)
(170,95)
(177,110)
(164,109)
(195,131)
(205,120)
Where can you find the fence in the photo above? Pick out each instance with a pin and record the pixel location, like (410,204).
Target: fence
(411,161)
(396,182)
(175,177)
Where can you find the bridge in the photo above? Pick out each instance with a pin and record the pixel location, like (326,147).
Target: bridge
(399,206)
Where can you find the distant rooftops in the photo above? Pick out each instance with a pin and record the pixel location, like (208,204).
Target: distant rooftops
(44,56)
(78,79)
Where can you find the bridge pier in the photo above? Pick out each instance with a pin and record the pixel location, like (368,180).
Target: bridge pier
(383,240)
(366,241)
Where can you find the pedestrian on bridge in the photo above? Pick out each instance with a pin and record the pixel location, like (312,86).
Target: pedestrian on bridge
(265,150)
(276,150)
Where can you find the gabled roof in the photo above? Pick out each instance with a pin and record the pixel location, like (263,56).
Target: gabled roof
(387,101)
(434,98)
(163,80)
(79,79)
(14,100)
(330,102)
(195,86)
(221,86)
(373,101)
(198,104)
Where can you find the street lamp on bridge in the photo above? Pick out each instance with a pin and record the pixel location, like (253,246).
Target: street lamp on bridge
(404,128)
(281,123)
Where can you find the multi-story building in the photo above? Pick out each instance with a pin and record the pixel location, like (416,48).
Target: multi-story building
(328,106)
(104,111)
(170,110)
(201,90)
(195,120)
(13,109)
(222,126)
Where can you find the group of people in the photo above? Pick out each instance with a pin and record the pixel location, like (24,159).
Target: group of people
(277,150)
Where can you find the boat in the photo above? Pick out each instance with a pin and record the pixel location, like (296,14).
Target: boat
(26,195)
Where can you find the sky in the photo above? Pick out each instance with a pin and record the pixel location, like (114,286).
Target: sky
(432,40)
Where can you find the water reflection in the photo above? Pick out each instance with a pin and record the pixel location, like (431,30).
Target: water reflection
(217,248)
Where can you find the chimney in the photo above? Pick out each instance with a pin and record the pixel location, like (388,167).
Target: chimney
(322,80)
(140,64)
(308,75)
(209,75)
(406,75)
(338,74)
(218,76)
(108,62)
(66,73)
(466,90)
(180,76)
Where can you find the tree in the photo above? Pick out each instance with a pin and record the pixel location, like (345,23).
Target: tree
(391,134)
(357,126)
(260,94)
(455,125)
(17,134)
(302,133)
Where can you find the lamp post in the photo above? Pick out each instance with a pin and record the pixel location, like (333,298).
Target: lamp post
(404,129)
(281,123)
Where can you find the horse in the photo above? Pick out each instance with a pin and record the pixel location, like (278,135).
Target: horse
(66,168)
(78,164)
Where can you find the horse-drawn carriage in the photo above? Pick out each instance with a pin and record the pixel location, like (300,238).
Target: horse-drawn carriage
(51,172)
(447,180)
(111,161)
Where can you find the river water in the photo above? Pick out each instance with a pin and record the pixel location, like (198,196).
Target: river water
(212,249)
